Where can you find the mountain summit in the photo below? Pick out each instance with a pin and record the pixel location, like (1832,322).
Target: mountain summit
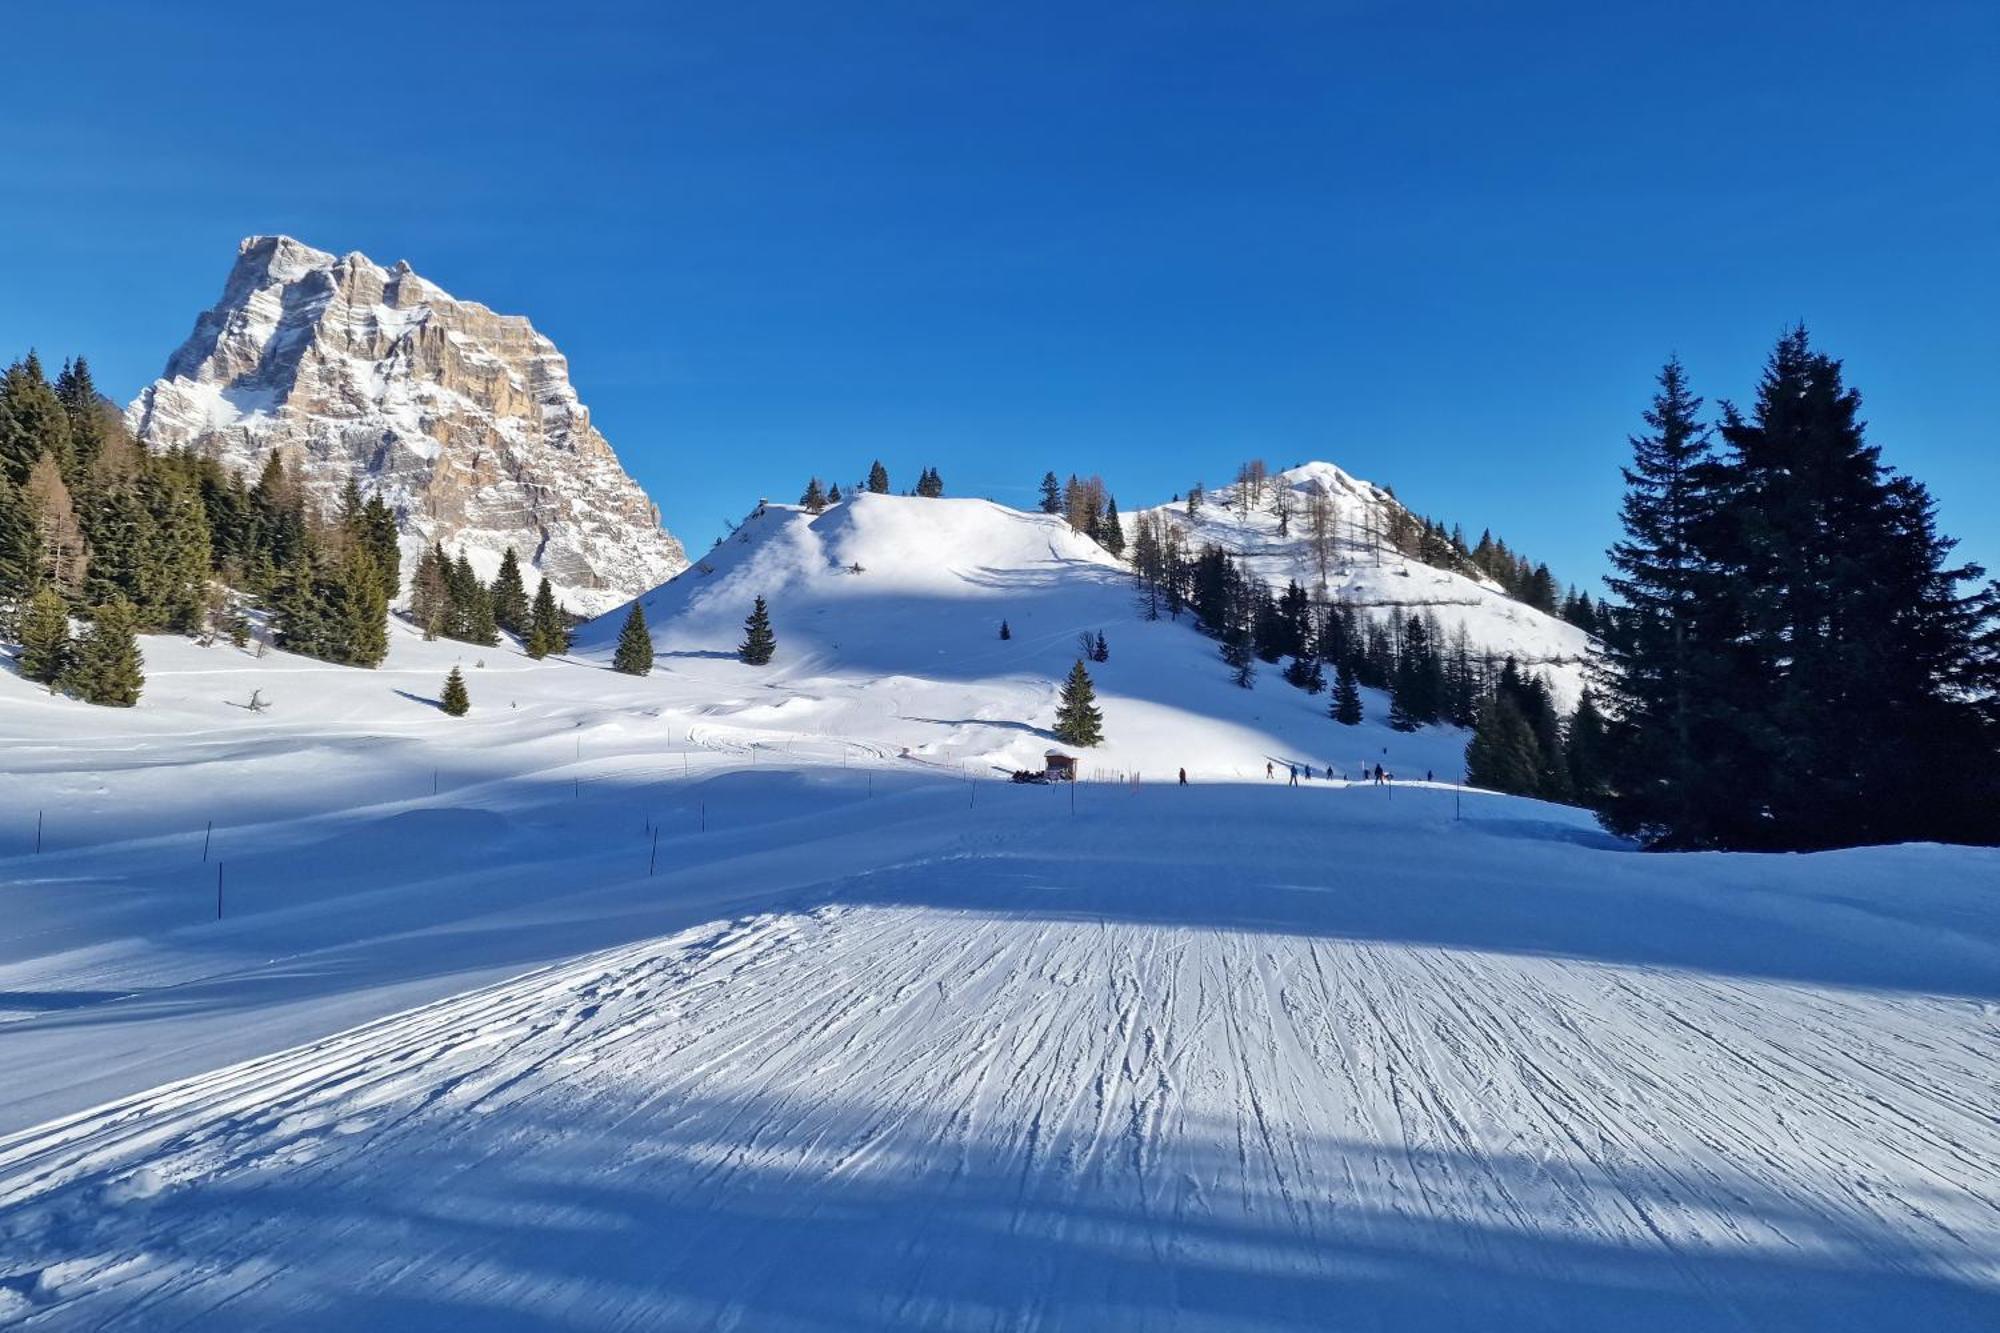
(464,420)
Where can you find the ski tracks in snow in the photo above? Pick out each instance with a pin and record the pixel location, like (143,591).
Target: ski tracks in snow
(876,1115)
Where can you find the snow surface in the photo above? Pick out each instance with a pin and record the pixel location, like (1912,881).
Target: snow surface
(1365,572)
(887,1041)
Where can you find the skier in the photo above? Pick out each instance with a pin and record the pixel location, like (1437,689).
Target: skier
(1428,777)
(1269,772)
(1184,777)
(1295,774)
(1378,775)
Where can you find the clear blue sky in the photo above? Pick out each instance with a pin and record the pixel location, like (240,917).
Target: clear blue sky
(1445,246)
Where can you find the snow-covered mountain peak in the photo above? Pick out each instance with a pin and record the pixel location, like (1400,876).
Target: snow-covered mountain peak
(463,419)
(1335,533)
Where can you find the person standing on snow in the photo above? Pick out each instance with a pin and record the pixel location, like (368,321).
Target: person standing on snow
(1268,771)
(1294,769)
(1184,777)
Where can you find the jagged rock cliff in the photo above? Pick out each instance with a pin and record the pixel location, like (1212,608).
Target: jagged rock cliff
(463,420)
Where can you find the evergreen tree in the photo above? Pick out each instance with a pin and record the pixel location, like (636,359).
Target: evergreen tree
(358,613)
(1857,701)
(1242,662)
(878,479)
(45,644)
(1584,748)
(833,494)
(1052,502)
(1005,633)
(18,546)
(1650,656)
(107,668)
(1503,755)
(546,631)
(1304,673)
(758,642)
(510,596)
(1110,531)
(453,699)
(634,656)
(430,592)
(814,499)
(1346,705)
(1078,721)
(1100,651)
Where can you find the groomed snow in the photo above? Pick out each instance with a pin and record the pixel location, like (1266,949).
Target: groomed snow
(889,1042)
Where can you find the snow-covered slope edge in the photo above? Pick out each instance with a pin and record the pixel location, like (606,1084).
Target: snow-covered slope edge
(464,420)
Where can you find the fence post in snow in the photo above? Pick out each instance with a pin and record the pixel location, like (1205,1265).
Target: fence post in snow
(218,890)
(704,816)
(38,832)
(205,841)
(654,859)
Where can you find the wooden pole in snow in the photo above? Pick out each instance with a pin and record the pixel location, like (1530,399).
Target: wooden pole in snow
(38,832)
(205,840)
(218,890)
(654,859)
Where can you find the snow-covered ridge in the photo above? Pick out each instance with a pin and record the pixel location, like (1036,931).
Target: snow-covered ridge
(463,419)
(1360,568)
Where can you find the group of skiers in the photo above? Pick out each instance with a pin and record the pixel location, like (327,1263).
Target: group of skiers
(1292,772)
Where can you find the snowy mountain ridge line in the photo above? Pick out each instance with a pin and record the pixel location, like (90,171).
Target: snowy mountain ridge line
(1361,569)
(464,420)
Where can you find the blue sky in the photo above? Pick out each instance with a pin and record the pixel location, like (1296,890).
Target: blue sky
(1444,246)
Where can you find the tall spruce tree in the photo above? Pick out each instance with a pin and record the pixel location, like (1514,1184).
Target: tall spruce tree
(1052,499)
(1345,707)
(510,596)
(759,643)
(1503,754)
(634,655)
(546,631)
(1078,721)
(1650,657)
(108,668)
(1858,707)
(878,479)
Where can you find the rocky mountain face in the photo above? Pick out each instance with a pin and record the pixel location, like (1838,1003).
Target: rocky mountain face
(462,419)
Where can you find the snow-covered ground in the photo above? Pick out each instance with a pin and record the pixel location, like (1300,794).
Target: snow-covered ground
(1363,570)
(884,1040)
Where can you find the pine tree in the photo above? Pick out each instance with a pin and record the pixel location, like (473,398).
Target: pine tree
(1242,662)
(45,643)
(758,642)
(1110,531)
(1346,705)
(108,668)
(1078,721)
(1100,651)
(510,596)
(1502,754)
(1052,502)
(1854,701)
(453,699)
(634,655)
(1005,633)
(833,494)
(358,633)
(878,479)
(1584,748)
(1649,658)
(18,545)
(430,592)
(814,499)
(546,630)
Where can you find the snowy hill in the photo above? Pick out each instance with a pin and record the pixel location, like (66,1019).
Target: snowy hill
(1362,569)
(906,650)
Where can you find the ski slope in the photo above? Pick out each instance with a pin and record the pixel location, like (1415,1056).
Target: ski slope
(757,999)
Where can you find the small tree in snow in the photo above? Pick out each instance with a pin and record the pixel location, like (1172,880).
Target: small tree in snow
(758,641)
(1077,720)
(635,644)
(454,699)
